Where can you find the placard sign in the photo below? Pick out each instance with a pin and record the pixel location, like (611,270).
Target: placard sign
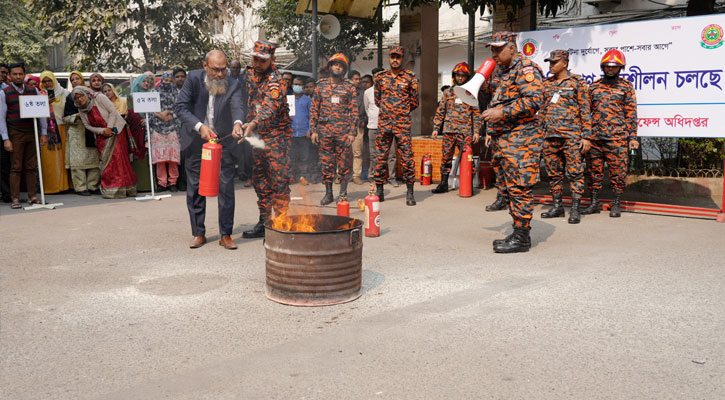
(146,102)
(34,107)
(677,68)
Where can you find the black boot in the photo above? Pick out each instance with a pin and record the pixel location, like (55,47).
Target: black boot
(443,186)
(409,199)
(557,209)
(519,242)
(498,242)
(615,211)
(343,190)
(379,192)
(500,204)
(574,217)
(328,194)
(258,230)
(594,207)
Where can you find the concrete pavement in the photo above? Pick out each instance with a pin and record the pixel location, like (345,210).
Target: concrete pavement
(103,299)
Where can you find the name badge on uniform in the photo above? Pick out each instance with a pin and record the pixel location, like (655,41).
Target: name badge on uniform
(555,98)
(335,99)
(459,101)
(257,107)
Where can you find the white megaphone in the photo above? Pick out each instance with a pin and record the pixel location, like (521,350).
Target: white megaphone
(468,93)
(329,27)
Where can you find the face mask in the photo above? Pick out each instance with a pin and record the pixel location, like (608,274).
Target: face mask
(297,88)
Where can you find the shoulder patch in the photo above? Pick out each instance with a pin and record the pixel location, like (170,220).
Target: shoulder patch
(529,77)
(275,93)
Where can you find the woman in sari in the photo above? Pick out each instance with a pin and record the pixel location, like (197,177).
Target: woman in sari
(165,145)
(100,117)
(81,156)
(52,156)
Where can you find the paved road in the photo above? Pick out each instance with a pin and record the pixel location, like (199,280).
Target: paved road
(102,299)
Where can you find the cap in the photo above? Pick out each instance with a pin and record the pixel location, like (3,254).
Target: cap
(263,49)
(397,50)
(501,38)
(557,55)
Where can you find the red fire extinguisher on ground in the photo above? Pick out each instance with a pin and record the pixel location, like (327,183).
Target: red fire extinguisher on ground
(343,207)
(426,168)
(211,162)
(466,190)
(372,214)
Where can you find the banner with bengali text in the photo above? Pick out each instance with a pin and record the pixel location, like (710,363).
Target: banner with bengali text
(676,66)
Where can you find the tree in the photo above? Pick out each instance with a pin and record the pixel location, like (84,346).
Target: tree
(547,7)
(294,31)
(20,39)
(105,34)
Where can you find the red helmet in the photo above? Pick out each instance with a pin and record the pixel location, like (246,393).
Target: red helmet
(613,58)
(462,67)
(339,57)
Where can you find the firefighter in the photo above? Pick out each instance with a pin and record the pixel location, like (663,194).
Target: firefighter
(512,127)
(396,95)
(566,120)
(333,125)
(614,124)
(458,121)
(268,115)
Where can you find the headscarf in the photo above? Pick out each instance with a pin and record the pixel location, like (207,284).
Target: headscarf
(35,79)
(137,82)
(89,93)
(103,80)
(59,92)
(168,97)
(120,102)
(83,80)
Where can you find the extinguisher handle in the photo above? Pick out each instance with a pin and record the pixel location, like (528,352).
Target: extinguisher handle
(212,135)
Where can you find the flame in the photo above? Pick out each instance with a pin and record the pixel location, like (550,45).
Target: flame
(306,218)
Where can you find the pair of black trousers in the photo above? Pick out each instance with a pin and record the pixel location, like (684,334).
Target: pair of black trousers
(197,203)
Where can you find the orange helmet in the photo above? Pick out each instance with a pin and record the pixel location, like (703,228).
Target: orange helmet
(613,58)
(339,57)
(462,67)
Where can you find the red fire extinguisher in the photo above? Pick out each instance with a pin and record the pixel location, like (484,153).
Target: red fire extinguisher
(426,168)
(466,190)
(211,162)
(343,207)
(372,214)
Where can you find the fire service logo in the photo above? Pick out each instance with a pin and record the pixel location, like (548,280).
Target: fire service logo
(529,48)
(711,37)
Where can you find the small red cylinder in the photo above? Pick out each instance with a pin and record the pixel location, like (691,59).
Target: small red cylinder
(466,187)
(485,174)
(211,162)
(372,215)
(426,170)
(343,207)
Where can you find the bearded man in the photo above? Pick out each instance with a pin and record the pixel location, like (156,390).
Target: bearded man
(209,106)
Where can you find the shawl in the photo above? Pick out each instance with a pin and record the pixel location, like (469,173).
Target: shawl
(60,91)
(119,102)
(168,97)
(137,82)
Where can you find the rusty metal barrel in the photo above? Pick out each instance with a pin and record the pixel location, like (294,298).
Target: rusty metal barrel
(315,268)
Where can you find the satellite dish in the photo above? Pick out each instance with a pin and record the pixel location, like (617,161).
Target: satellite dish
(329,27)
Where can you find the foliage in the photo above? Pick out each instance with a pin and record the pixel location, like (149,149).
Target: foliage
(20,39)
(102,34)
(702,153)
(294,31)
(546,7)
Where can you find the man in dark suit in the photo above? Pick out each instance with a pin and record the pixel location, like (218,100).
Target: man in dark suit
(210,105)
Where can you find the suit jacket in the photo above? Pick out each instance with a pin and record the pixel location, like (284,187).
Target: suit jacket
(191,105)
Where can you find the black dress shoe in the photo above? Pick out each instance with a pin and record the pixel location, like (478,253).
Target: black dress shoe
(84,193)
(173,189)
(160,189)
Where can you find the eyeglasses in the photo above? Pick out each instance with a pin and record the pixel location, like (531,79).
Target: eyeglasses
(218,70)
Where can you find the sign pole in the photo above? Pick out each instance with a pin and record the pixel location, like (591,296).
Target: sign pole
(147,113)
(721,216)
(34,105)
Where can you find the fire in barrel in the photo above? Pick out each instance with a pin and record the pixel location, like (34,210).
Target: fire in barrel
(313,260)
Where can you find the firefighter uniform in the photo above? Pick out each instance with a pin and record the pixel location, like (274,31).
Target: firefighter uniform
(566,119)
(267,107)
(614,124)
(502,199)
(458,122)
(518,92)
(396,96)
(333,118)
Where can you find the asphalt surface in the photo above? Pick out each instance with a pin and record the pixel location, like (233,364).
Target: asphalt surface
(103,299)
